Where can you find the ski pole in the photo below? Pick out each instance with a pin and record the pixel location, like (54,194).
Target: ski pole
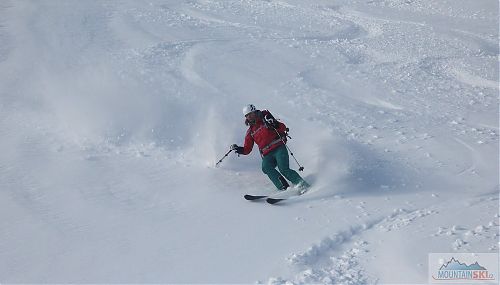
(301,168)
(220,160)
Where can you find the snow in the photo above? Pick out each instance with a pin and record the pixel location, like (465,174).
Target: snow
(114,113)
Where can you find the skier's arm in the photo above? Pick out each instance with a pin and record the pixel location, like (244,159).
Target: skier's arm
(248,146)
(282,129)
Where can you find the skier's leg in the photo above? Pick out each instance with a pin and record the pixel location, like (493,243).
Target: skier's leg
(269,167)
(283,162)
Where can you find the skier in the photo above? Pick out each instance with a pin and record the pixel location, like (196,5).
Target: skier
(270,136)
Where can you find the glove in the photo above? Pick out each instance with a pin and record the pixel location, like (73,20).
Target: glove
(238,149)
(270,121)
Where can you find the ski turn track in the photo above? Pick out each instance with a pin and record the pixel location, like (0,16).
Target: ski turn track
(335,259)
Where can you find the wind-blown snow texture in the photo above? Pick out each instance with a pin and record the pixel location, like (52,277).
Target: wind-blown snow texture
(113,114)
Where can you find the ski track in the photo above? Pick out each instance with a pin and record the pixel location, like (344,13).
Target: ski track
(474,158)
(188,69)
(338,255)
(337,259)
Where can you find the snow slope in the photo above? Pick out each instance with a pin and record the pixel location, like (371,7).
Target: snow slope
(113,114)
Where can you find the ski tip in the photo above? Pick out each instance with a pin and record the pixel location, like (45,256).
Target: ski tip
(273,201)
(253,197)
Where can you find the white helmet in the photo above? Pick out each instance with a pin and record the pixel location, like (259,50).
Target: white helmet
(249,109)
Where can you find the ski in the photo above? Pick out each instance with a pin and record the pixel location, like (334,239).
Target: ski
(292,193)
(254,197)
(273,201)
(278,197)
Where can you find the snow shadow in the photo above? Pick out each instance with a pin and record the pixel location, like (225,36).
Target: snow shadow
(335,166)
(373,172)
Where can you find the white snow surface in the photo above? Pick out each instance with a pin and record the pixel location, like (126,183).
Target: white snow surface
(113,114)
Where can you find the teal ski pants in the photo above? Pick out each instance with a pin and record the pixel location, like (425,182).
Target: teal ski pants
(279,158)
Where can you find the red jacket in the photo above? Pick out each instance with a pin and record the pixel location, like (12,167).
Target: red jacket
(266,138)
